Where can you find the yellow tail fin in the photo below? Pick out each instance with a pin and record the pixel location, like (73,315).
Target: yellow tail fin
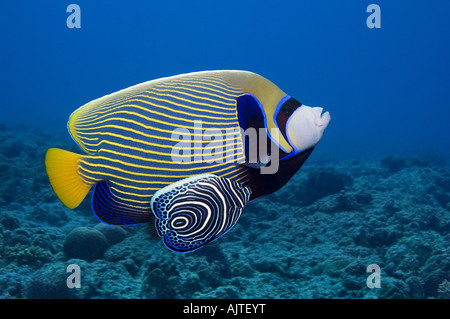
(62,171)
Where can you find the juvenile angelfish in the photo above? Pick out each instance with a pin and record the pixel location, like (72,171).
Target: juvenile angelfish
(186,153)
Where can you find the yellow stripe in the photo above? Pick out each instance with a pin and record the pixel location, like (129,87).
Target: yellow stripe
(230,115)
(95,105)
(232,105)
(129,207)
(121,137)
(190,114)
(148,127)
(242,177)
(190,107)
(227,146)
(156,120)
(235,152)
(133,194)
(138,174)
(205,167)
(143,188)
(133,131)
(111,175)
(224,86)
(219,79)
(81,126)
(168,162)
(233,138)
(168,88)
(89,138)
(231,108)
(131,186)
(129,199)
(238,171)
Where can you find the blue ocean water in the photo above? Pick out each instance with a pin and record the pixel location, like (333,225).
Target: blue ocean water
(387,90)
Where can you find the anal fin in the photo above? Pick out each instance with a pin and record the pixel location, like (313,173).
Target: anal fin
(111,210)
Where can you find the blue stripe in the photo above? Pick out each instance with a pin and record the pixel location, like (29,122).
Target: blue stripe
(110,212)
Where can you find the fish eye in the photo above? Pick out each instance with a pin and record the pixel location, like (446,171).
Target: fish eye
(285,112)
(290,106)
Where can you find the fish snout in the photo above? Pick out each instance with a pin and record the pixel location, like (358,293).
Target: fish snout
(305,127)
(321,119)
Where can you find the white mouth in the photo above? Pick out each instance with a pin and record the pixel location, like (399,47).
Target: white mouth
(321,119)
(306,125)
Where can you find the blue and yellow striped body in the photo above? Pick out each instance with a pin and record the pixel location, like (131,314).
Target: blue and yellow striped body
(129,137)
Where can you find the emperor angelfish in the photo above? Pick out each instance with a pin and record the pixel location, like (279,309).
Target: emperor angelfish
(186,152)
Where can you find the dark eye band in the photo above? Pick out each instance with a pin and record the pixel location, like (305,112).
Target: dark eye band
(290,106)
(285,112)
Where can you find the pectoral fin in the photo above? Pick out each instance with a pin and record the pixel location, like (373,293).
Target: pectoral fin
(194,211)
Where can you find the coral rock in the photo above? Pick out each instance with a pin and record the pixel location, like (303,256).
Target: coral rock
(85,243)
